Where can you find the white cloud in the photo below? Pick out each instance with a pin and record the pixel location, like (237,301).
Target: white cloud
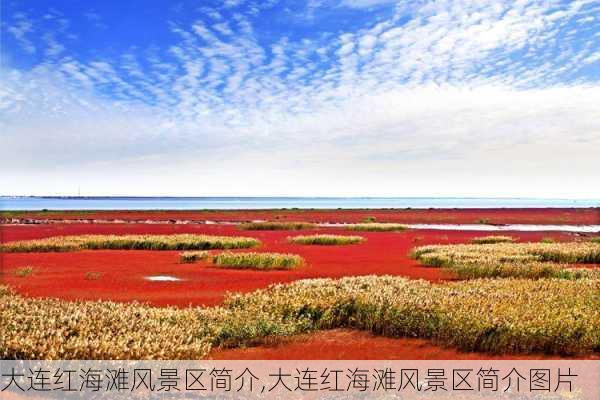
(366,3)
(20,29)
(438,105)
(592,58)
(224,28)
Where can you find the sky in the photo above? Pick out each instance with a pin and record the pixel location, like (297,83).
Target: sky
(300,98)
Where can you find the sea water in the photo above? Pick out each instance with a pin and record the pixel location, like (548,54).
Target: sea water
(248,203)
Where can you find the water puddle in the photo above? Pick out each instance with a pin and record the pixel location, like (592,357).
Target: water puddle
(492,228)
(509,227)
(162,278)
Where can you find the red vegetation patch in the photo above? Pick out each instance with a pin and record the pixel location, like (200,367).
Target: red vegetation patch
(576,216)
(122,273)
(344,344)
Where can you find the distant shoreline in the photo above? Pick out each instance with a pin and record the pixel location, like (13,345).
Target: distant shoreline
(481,216)
(110,203)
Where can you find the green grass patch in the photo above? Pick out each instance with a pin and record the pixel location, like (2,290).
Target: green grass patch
(326,240)
(193,256)
(261,261)
(376,227)
(130,242)
(492,239)
(22,272)
(277,226)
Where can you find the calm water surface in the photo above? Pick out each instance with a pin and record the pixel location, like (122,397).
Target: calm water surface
(244,203)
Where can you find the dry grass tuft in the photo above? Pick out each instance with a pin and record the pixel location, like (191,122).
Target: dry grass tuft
(326,239)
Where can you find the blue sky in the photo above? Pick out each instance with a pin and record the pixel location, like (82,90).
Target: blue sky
(339,97)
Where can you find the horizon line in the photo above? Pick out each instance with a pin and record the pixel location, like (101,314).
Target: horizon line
(289,197)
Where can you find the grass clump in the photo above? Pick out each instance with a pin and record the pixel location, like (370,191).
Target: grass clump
(527,260)
(262,261)
(492,239)
(130,242)
(326,240)
(499,315)
(54,330)
(547,240)
(93,276)
(276,226)
(553,316)
(22,272)
(595,239)
(376,227)
(193,256)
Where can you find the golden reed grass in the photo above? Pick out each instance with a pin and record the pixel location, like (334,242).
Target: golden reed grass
(325,239)
(130,242)
(261,261)
(554,316)
(530,260)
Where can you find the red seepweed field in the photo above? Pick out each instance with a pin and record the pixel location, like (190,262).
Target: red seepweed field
(121,275)
(575,216)
(63,274)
